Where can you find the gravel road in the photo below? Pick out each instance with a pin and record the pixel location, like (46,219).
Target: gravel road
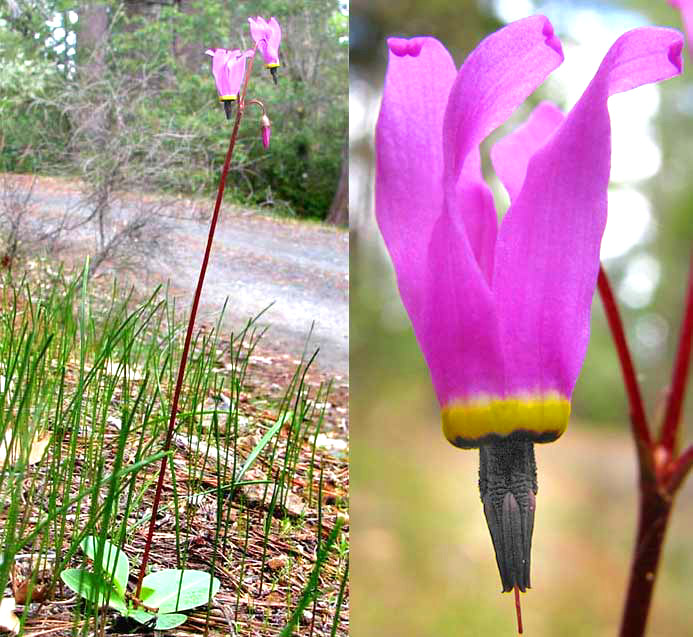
(303,268)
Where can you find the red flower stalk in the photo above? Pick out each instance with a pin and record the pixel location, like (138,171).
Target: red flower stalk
(662,471)
(226,74)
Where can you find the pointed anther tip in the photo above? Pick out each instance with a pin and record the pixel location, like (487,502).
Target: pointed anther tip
(507,484)
(551,38)
(675,55)
(402,47)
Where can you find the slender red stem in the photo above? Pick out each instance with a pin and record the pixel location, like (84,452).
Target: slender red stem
(658,481)
(189,332)
(655,509)
(672,415)
(638,420)
(184,358)
(680,469)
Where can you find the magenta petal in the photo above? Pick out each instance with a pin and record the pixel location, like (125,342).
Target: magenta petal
(267,35)
(236,72)
(511,154)
(275,39)
(547,252)
(228,68)
(457,326)
(686,9)
(409,157)
(475,205)
(257,28)
(494,80)
(442,288)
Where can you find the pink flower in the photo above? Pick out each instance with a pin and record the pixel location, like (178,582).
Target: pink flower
(228,67)
(502,314)
(266,127)
(267,35)
(686,9)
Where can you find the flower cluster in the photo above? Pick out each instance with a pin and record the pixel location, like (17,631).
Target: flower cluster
(229,65)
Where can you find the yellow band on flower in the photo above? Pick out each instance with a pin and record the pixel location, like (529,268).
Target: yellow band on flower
(272,65)
(228,98)
(541,419)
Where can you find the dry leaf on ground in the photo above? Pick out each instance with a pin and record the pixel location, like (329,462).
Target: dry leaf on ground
(38,447)
(8,620)
(276,563)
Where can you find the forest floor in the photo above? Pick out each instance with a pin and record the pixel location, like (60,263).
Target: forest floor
(270,551)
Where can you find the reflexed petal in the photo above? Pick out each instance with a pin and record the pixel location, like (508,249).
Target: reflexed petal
(494,80)
(275,39)
(257,28)
(511,154)
(686,9)
(547,252)
(236,67)
(409,156)
(447,299)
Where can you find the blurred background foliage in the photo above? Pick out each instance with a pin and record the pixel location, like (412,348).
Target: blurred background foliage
(50,49)
(420,542)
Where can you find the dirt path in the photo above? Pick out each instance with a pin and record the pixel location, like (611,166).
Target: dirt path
(300,267)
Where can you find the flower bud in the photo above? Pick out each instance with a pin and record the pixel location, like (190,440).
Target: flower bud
(266,126)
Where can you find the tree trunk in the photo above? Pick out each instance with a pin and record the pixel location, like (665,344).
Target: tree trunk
(189,53)
(92,32)
(92,40)
(339,210)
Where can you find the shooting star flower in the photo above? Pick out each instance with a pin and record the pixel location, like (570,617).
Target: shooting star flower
(502,314)
(267,35)
(228,68)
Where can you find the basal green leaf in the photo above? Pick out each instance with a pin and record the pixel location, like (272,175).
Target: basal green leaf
(163,622)
(169,620)
(145,592)
(142,616)
(96,590)
(174,589)
(114,562)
